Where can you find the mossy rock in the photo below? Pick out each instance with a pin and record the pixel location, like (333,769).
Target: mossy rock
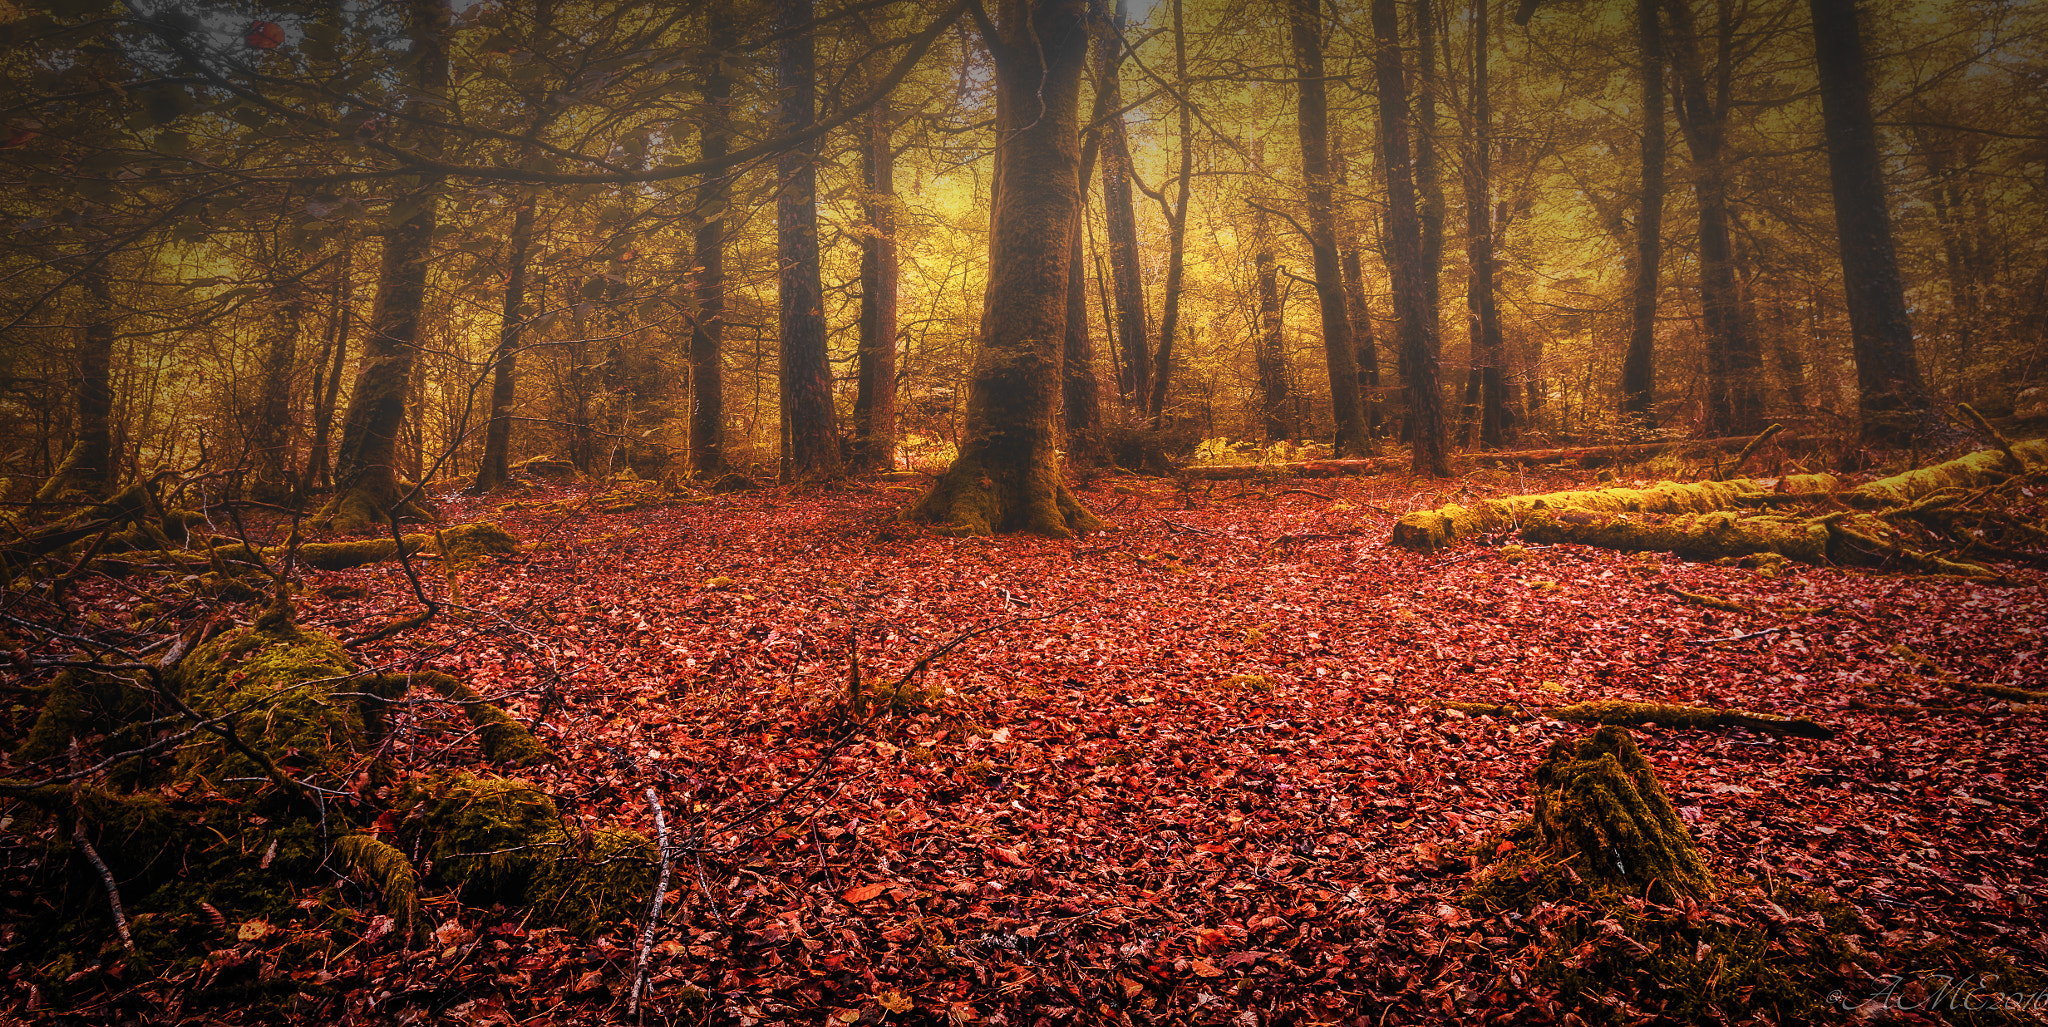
(1602,822)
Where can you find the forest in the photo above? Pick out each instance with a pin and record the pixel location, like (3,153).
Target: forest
(1024,512)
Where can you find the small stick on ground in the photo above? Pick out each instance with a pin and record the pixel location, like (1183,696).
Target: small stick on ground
(1716,602)
(2004,444)
(653,906)
(1761,438)
(92,856)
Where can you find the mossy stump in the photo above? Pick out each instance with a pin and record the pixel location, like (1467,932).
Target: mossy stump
(1602,821)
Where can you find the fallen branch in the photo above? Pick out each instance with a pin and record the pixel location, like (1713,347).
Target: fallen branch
(653,906)
(1619,712)
(1743,637)
(1714,602)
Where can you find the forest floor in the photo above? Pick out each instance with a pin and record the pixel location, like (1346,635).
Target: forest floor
(1192,774)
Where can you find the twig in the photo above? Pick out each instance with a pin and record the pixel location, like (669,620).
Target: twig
(92,856)
(1737,638)
(704,883)
(653,906)
(1761,438)
(2004,444)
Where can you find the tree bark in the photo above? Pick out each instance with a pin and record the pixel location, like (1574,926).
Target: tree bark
(1892,397)
(1176,255)
(366,471)
(1404,247)
(90,468)
(874,405)
(707,328)
(1488,350)
(1364,342)
(1428,170)
(1133,338)
(1007,476)
(1270,353)
(319,467)
(1081,399)
(1639,367)
(492,471)
(1733,358)
(1304,22)
(270,442)
(813,449)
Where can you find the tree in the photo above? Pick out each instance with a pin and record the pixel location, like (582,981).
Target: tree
(1639,367)
(1312,119)
(492,471)
(1133,336)
(810,427)
(1270,354)
(1404,247)
(1007,476)
(1891,395)
(1177,225)
(366,461)
(874,405)
(707,326)
(1489,354)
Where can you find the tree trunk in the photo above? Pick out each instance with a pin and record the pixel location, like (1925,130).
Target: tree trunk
(1733,359)
(1176,256)
(1639,367)
(319,468)
(366,471)
(1428,170)
(491,472)
(1133,339)
(1270,353)
(1404,248)
(1007,476)
(1893,399)
(89,468)
(813,452)
(1487,349)
(1365,343)
(707,328)
(874,405)
(1304,24)
(270,441)
(1081,400)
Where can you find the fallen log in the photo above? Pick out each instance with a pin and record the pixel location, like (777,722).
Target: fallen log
(1295,469)
(1984,467)
(1620,712)
(1430,530)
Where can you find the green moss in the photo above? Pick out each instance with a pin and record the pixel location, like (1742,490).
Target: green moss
(489,836)
(505,741)
(1696,718)
(1706,536)
(341,556)
(1430,530)
(387,870)
(1980,468)
(464,545)
(279,686)
(1248,683)
(607,882)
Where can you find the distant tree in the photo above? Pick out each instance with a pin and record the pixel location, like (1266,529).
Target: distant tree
(1639,367)
(810,426)
(1312,119)
(1404,247)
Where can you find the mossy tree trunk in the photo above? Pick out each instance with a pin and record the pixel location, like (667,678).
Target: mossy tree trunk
(1312,123)
(810,425)
(1412,273)
(366,472)
(707,328)
(497,455)
(1007,475)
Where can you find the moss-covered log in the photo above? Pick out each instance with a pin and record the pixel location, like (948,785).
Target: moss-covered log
(1599,810)
(1430,530)
(1698,718)
(1984,467)
(1842,538)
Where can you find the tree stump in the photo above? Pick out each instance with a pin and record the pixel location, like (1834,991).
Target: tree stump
(1601,821)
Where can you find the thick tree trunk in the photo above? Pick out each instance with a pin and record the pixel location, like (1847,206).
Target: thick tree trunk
(1007,476)
(1176,256)
(1891,394)
(707,328)
(319,467)
(1733,358)
(811,425)
(88,469)
(1489,353)
(1404,248)
(491,472)
(1365,343)
(366,462)
(1133,338)
(1270,353)
(874,405)
(1639,367)
(1305,25)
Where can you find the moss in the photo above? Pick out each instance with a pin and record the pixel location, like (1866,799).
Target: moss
(505,741)
(1482,709)
(1984,467)
(1600,819)
(341,556)
(1249,683)
(1698,718)
(465,545)
(604,883)
(387,870)
(1693,536)
(1513,554)
(489,836)
(1430,530)
(977,498)
(279,685)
